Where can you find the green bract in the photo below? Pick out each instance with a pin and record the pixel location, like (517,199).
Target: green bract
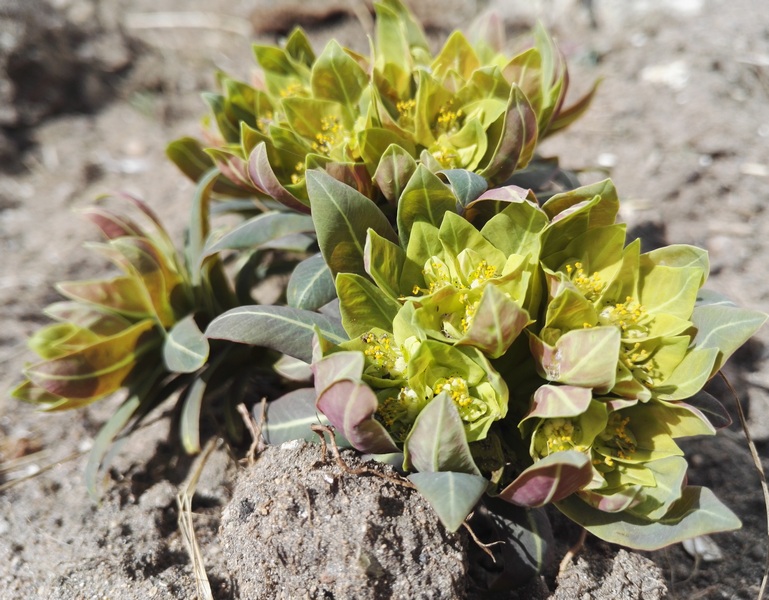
(367,119)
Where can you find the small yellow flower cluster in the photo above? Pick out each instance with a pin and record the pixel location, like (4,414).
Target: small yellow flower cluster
(331,132)
(299,174)
(294,89)
(470,309)
(591,286)
(380,350)
(406,112)
(264,121)
(559,435)
(446,156)
(617,436)
(457,389)
(395,408)
(482,273)
(448,121)
(629,316)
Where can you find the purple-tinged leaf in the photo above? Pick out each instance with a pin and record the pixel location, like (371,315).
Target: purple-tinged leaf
(97,370)
(121,295)
(497,323)
(615,503)
(452,495)
(437,441)
(111,224)
(393,172)
(550,479)
(232,166)
(264,178)
(337,366)
(552,401)
(583,357)
(350,407)
(517,138)
(354,175)
(96,319)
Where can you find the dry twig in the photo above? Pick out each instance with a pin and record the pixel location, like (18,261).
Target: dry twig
(186,526)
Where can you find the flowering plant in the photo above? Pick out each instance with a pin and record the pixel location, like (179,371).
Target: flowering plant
(499,342)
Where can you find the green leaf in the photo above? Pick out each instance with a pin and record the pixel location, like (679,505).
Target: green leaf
(550,479)
(299,48)
(258,230)
(186,348)
(697,512)
(437,441)
(395,168)
(725,328)
(384,262)
(290,417)
(282,328)
(363,306)
(452,495)
(576,211)
(465,185)
(689,376)
(517,229)
(193,396)
(342,217)
(350,407)
(311,284)
(337,76)
(425,199)
(456,56)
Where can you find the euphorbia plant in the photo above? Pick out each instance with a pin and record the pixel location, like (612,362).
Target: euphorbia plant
(499,347)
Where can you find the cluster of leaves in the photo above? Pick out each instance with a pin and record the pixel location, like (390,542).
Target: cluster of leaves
(502,345)
(362,119)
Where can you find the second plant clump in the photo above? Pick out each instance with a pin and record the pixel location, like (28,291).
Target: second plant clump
(456,304)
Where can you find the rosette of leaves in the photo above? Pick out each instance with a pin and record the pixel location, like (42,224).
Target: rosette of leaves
(141,330)
(626,343)
(366,120)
